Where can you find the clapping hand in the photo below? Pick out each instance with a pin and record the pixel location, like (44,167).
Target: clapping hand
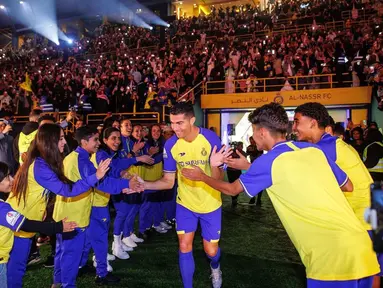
(218,158)
(145,159)
(103,167)
(138,146)
(153,150)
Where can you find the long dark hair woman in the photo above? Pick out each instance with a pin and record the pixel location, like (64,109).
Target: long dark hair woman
(19,222)
(41,173)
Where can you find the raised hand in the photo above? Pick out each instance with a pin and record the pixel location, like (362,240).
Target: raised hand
(240,163)
(138,146)
(153,150)
(218,158)
(145,159)
(103,167)
(195,173)
(68,226)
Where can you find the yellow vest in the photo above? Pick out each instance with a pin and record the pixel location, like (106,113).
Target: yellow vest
(100,199)
(77,208)
(154,172)
(378,168)
(24,143)
(35,202)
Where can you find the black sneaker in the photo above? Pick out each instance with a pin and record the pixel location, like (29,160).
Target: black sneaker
(34,258)
(50,263)
(252,201)
(108,279)
(87,269)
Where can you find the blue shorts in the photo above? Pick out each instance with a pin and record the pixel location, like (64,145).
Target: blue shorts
(378,255)
(187,222)
(360,283)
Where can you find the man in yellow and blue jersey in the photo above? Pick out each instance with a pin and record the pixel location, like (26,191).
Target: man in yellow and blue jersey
(303,185)
(196,201)
(311,121)
(90,220)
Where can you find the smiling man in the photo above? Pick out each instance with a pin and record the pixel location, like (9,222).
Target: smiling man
(303,185)
(196,201)
(311,122)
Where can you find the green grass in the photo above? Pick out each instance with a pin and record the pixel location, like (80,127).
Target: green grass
(256,252)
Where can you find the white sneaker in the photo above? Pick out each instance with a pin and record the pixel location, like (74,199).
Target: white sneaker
(136,239)
(126,248)
(110,257)
(160,229)
(119,252)
(128,241)
(110,268)
(216,277)
(165,225)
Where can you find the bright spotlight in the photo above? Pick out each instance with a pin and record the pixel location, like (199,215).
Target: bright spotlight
(2,7)
(168,25)
(21,2)
(70,41)
(151,28)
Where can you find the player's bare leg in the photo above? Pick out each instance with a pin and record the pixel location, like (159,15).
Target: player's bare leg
(213,252)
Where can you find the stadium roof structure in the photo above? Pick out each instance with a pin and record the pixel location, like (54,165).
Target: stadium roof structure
(66,9)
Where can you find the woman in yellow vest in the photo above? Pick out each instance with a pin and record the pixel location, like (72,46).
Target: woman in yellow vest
(373,154)
(42,173)
(12,221)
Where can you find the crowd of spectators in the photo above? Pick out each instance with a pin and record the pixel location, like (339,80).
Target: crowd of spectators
(119,68)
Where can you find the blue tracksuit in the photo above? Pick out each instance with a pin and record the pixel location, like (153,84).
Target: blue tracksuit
(150,210)
(43,180)
(70,248)
(97,233)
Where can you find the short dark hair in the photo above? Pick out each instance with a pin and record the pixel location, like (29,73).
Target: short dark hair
(47,118)
(315,111)
(374,135)
(182,108)
(84,133)
(271,116)
(338,129)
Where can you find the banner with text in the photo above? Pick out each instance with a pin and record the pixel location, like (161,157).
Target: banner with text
(327,97)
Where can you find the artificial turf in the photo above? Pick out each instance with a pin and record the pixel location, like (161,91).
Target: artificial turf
(256,252)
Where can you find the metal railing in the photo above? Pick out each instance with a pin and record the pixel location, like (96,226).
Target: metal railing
(320,81)
(95,118)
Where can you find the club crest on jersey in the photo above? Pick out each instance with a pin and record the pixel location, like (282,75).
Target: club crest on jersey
(164,154)
(203,152)
(12,217)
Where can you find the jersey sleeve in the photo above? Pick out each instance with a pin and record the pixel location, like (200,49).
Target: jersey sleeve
(340,175)
(107,184)
(48,179)
(10,218)
(170,164)
(258,177)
